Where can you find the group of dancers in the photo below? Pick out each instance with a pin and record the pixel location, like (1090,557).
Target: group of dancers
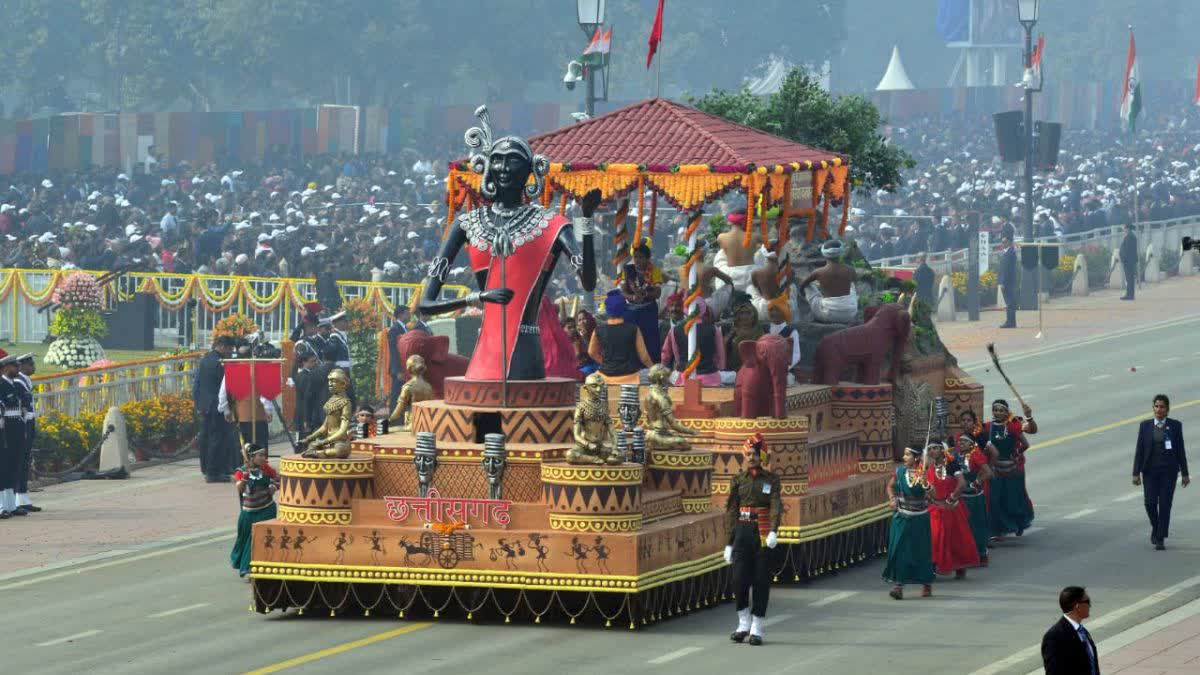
(952,499)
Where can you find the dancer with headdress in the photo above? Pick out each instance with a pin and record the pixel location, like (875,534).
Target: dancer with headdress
(641,284)
(976,473)
(256,483)
(951,541)
(910,540)
(752,516)
(1009,506)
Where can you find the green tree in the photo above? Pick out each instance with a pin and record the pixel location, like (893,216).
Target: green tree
(804,112)
(47,43)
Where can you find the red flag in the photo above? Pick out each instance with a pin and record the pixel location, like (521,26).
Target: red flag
(655,34)
(1036,58)
(1197,100)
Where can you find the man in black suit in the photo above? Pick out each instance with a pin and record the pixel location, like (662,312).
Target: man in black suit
(214,430)
(1007,279)
(1129,260)
(420,324)
(924,278)
(1067,648)
(1159,459)
(306,394)
(400,316)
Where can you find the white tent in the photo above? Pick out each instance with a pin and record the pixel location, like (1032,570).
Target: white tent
(895,78)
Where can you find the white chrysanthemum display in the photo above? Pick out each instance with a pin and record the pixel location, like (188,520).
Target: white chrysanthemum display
(74,352)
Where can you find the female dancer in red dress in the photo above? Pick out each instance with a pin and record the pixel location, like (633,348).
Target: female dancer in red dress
(954,547)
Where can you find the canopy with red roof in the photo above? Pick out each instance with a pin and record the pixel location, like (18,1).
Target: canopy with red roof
(688,157)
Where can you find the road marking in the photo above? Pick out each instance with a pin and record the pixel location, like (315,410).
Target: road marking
(1080,514)
(1170,323)
(108,555)
(834,598)
(778,618)
(111,563)
(677,654)
(1061,387)
(1029,653)
(1129,497)
(338,649)
(1171,358)
(70,638)
(1090,432)
(177,610)
(1097,378)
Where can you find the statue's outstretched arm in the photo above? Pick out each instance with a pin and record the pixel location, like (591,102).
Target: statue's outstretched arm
(435,277)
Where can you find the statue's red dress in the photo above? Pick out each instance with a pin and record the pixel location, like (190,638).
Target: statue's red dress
(522,271)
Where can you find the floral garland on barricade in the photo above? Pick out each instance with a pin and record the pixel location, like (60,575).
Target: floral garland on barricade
(361,333)
(77,323)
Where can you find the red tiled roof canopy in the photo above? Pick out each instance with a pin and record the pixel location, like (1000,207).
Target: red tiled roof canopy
(657,131)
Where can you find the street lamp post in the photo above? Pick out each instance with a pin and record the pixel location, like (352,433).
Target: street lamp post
(590,14)
(1027,11)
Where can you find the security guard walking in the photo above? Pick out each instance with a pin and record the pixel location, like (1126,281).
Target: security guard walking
(752,517)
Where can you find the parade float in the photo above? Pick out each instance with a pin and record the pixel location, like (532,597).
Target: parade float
(536,497)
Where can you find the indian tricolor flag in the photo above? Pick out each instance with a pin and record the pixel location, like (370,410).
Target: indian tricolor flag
(1131,96)
(597,50)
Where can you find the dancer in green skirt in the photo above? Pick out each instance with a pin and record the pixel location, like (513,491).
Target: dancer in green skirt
(256,483)
(910,552)
(1009,506)
(977,473)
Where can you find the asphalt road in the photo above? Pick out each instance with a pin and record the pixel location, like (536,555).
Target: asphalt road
(182,610)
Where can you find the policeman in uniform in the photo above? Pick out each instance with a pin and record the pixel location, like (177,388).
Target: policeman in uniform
(337,338)
(752,517)
(12,437)
(25,370)
(320,339)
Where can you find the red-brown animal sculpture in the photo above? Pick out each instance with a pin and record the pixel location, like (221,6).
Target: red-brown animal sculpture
(863,347)
(439,362)
(761,385)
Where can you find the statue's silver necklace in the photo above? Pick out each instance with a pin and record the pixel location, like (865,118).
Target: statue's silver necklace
(504,230)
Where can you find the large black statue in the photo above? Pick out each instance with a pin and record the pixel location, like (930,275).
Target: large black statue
(513,248)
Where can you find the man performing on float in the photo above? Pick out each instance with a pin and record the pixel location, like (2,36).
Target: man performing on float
(833,299)
(735,261)
(765,289)
(513,248)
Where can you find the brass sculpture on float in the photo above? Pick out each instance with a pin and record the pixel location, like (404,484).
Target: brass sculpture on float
(332,439)
(594,439)
(663,431)
(415,390)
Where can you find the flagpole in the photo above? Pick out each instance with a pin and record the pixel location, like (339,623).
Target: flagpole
(658,75)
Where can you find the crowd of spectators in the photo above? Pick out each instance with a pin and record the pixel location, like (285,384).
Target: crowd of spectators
(959,181)
(380,218)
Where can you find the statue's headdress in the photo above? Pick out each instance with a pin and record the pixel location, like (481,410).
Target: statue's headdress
(479,139)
